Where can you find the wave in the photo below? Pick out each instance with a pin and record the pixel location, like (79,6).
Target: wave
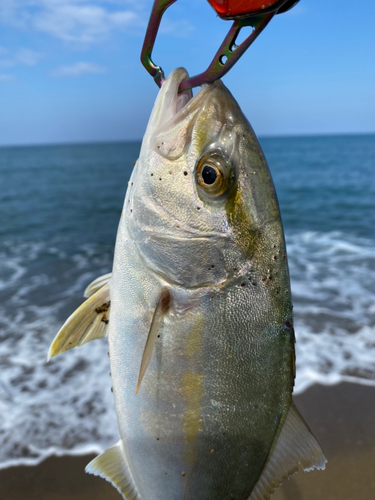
(333,289)
(53,409)
(50,408)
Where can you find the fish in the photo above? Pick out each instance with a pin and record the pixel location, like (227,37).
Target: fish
(198,314)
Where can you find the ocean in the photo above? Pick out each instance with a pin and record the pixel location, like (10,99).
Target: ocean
(59,211)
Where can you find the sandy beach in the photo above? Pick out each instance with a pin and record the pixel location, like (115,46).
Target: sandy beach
(342,418)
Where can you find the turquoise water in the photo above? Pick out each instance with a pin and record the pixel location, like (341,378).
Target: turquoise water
(59,210)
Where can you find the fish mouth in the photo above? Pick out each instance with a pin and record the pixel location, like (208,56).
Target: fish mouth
(174,115)
(180,99)
(175,105)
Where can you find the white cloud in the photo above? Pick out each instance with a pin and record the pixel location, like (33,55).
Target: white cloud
(14,12)
(77,69)
(72,21)
(83,22)
(6,78)
(80,23)
(27,57)
(6,63)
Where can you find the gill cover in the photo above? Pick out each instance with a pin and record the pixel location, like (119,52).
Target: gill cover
(196,200)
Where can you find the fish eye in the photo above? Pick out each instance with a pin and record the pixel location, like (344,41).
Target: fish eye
(214,175)
(209,174)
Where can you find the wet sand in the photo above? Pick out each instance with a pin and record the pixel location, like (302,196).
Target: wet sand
(341,417)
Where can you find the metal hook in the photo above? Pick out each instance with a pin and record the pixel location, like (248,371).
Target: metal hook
(227,55)
(158,9)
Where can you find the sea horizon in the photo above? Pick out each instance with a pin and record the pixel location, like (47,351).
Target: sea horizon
(132,141)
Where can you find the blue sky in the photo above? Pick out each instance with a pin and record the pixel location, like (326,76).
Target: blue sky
(70,70)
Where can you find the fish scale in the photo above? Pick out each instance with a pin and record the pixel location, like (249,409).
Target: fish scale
(199,314)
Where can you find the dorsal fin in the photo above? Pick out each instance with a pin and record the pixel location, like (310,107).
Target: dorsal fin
(97,284)
(88,322)
(111,465)
(162,307)
(295,446)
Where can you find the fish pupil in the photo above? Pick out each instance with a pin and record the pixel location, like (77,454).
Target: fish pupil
(209,175)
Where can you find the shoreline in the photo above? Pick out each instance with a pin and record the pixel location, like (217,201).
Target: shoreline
(342,418)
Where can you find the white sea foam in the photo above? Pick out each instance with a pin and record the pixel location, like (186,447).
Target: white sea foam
(66,406)
(333,287)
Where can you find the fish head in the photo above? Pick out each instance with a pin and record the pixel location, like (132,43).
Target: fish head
(201,207)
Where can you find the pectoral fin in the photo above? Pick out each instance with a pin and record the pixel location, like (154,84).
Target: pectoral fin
(97,285)
(161,309)
(88,322)
(111,465)
(295,446)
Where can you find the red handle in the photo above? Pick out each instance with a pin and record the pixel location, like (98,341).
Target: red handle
(229,9)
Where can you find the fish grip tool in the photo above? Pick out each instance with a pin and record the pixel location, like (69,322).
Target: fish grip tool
(254,13)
